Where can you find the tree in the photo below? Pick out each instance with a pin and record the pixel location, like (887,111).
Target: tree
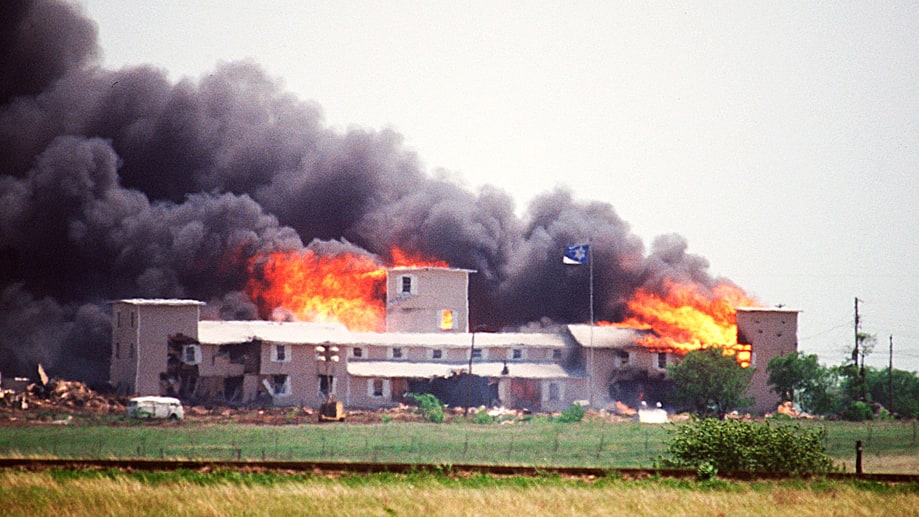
(801,378)
(710,383)
(905,391)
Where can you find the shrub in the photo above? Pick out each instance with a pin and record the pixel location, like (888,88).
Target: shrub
(858,411)
(430,408)
(574,413)
(738,445)
(706,471)
(482,417)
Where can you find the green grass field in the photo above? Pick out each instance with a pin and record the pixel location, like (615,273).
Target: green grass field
(888,446)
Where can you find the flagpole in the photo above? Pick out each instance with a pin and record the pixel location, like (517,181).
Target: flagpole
(590,261)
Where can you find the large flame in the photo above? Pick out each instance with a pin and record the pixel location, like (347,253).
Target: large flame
(687,317)
(344,288)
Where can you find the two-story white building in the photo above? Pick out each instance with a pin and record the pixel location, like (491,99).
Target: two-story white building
(160,347)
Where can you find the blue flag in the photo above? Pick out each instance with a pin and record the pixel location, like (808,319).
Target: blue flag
(576,254)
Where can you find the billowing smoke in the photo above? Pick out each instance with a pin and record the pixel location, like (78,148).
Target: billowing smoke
(120,183)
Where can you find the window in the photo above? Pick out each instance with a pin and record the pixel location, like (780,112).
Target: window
(132,319)
(280,354)
(623,358)
(554,391)
(447,321)
(325,381)
(131,352)
(407,284)
(191,354)
(357,352)
(117,350)
(556,354)
(662,360)
(280,385)
(477,353)
(118,319)
(397,353)
(517,354)
(379,388)
(437,354)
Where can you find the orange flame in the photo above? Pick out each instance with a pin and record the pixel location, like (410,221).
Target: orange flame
(344,288)
(687,318)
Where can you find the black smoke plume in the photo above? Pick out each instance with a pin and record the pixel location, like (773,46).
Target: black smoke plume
(121,183)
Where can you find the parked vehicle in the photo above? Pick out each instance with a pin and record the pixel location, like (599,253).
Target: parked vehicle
(156,407)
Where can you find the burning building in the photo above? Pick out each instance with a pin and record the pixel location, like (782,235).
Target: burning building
(230,190)
(162,347)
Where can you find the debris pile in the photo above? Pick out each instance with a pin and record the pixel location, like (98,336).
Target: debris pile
(788,409)
(59,395)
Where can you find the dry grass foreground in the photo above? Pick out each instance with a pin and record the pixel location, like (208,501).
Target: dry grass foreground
(34,494)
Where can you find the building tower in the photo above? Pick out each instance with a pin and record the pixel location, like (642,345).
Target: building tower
(427,299)
(772,332)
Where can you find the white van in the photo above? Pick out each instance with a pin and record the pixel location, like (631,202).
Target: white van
(156,407)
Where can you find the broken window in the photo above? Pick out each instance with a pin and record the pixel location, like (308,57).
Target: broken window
(446,319)
(408,284)
(325,382)
(554,391)
(662,360)
(280,384)
(397,353)
(279,354)
(357,352)
(623,358)
(191,354)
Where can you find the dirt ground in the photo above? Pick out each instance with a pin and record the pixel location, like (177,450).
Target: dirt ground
(62,402)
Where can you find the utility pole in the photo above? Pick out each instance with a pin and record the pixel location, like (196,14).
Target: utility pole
(859,368)
(890,378)
(857,338)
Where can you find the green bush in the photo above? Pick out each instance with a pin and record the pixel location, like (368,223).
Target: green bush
(706,471)
(858,411)
(430,408)
(574,413)
(482,417)
(739,445)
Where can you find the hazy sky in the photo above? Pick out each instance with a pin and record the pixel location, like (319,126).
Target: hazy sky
(779,139)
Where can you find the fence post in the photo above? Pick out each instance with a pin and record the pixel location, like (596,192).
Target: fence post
(858,457)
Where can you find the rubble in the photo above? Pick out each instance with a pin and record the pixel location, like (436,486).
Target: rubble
(788,409)
(58,401)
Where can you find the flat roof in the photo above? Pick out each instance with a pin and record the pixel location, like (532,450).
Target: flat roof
(430,268)
(427,370)
(459,339)
(606,336)
(288,332)
(173,302)
(765,309)
(214,332)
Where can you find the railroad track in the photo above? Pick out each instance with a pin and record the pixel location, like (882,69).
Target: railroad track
(314,467)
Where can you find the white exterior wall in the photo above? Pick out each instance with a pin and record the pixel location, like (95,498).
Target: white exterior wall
(772,333)
(140,340)
(433,290)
